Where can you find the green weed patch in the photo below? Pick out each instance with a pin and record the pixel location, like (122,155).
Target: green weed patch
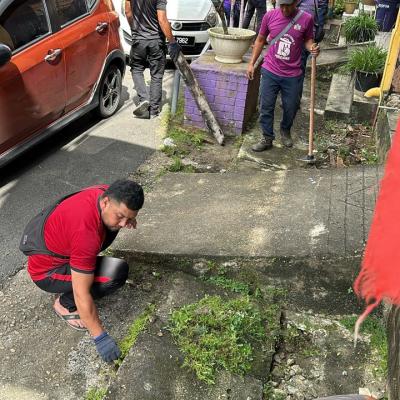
(178,166)
(230,284)
(215,334)
(138,326)
(95,393)
(184,139)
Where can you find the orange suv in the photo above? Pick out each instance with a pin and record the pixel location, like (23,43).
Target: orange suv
(58,60)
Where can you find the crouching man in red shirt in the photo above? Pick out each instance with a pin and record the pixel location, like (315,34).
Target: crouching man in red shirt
(63,243)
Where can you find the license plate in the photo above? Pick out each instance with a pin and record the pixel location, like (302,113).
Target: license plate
(185,40)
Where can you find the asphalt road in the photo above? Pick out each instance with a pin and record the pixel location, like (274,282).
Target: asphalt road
(88,151)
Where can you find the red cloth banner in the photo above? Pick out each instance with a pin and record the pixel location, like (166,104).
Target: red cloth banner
(379,277)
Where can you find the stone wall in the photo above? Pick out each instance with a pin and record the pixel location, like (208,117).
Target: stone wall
(232,97)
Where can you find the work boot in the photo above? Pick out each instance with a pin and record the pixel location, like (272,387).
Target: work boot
(141,108)
(143,115)
(264,144)
(286,139)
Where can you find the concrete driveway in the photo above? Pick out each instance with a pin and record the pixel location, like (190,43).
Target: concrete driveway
(88,151)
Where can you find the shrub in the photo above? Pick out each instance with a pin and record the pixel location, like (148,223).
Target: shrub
(370,59)
(361,28)
(338,8)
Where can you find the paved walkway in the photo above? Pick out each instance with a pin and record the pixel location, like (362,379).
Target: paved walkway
(283,213)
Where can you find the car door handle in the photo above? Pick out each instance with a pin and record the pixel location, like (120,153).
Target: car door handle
(52,55)
(101,27)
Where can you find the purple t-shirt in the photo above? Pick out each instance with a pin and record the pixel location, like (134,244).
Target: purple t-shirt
(284,57)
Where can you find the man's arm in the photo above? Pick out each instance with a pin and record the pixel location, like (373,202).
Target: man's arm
(81,284)
(128,12)
(105,344)
(165,25)
(257,49)
(173,47)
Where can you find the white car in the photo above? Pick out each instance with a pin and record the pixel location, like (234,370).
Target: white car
(189,20)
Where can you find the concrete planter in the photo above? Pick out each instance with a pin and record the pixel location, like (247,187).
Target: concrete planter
(230,49)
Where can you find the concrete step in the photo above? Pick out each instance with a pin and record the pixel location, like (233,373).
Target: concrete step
(346,103)
(314,350)
(257,214)
(363,108)
(153,369)
(43,359)
(340,98)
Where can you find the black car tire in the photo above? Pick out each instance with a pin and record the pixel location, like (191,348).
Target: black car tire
(110,92)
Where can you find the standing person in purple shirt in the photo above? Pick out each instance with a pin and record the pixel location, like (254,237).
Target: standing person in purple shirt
(281,70)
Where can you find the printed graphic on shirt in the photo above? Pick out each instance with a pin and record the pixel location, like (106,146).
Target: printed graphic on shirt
(284,47)
(297,27)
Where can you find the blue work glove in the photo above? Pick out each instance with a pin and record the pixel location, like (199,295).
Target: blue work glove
(174,49)
(107,347)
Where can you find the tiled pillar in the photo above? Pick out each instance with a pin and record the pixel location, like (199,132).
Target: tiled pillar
(232,97)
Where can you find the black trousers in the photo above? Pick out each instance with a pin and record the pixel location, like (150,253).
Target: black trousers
(110,274)
(152,54)
(254,5)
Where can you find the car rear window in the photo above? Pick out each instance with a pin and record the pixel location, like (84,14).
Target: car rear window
(70,10)
(23,22)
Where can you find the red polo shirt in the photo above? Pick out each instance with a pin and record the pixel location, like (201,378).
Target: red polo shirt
(73,229)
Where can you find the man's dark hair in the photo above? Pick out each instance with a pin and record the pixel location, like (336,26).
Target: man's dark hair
(128,192)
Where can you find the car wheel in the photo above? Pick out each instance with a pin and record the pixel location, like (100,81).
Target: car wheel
(110,92)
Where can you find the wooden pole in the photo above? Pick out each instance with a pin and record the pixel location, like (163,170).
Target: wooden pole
(241,14)
(219,6)
(312,106)
(393,337)
(201,101)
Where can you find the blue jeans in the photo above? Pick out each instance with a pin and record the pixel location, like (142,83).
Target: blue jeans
(270,86)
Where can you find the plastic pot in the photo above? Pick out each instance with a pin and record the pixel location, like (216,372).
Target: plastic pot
(366,80)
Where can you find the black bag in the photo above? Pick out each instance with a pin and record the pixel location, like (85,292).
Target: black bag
(32,241)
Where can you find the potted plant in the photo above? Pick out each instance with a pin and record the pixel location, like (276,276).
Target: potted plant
(338,9)
(229,44)
(360,31)
(367,63)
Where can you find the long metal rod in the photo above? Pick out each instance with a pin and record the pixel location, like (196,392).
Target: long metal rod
(175,91)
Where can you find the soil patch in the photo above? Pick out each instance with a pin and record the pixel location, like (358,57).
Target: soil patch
(340,144)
